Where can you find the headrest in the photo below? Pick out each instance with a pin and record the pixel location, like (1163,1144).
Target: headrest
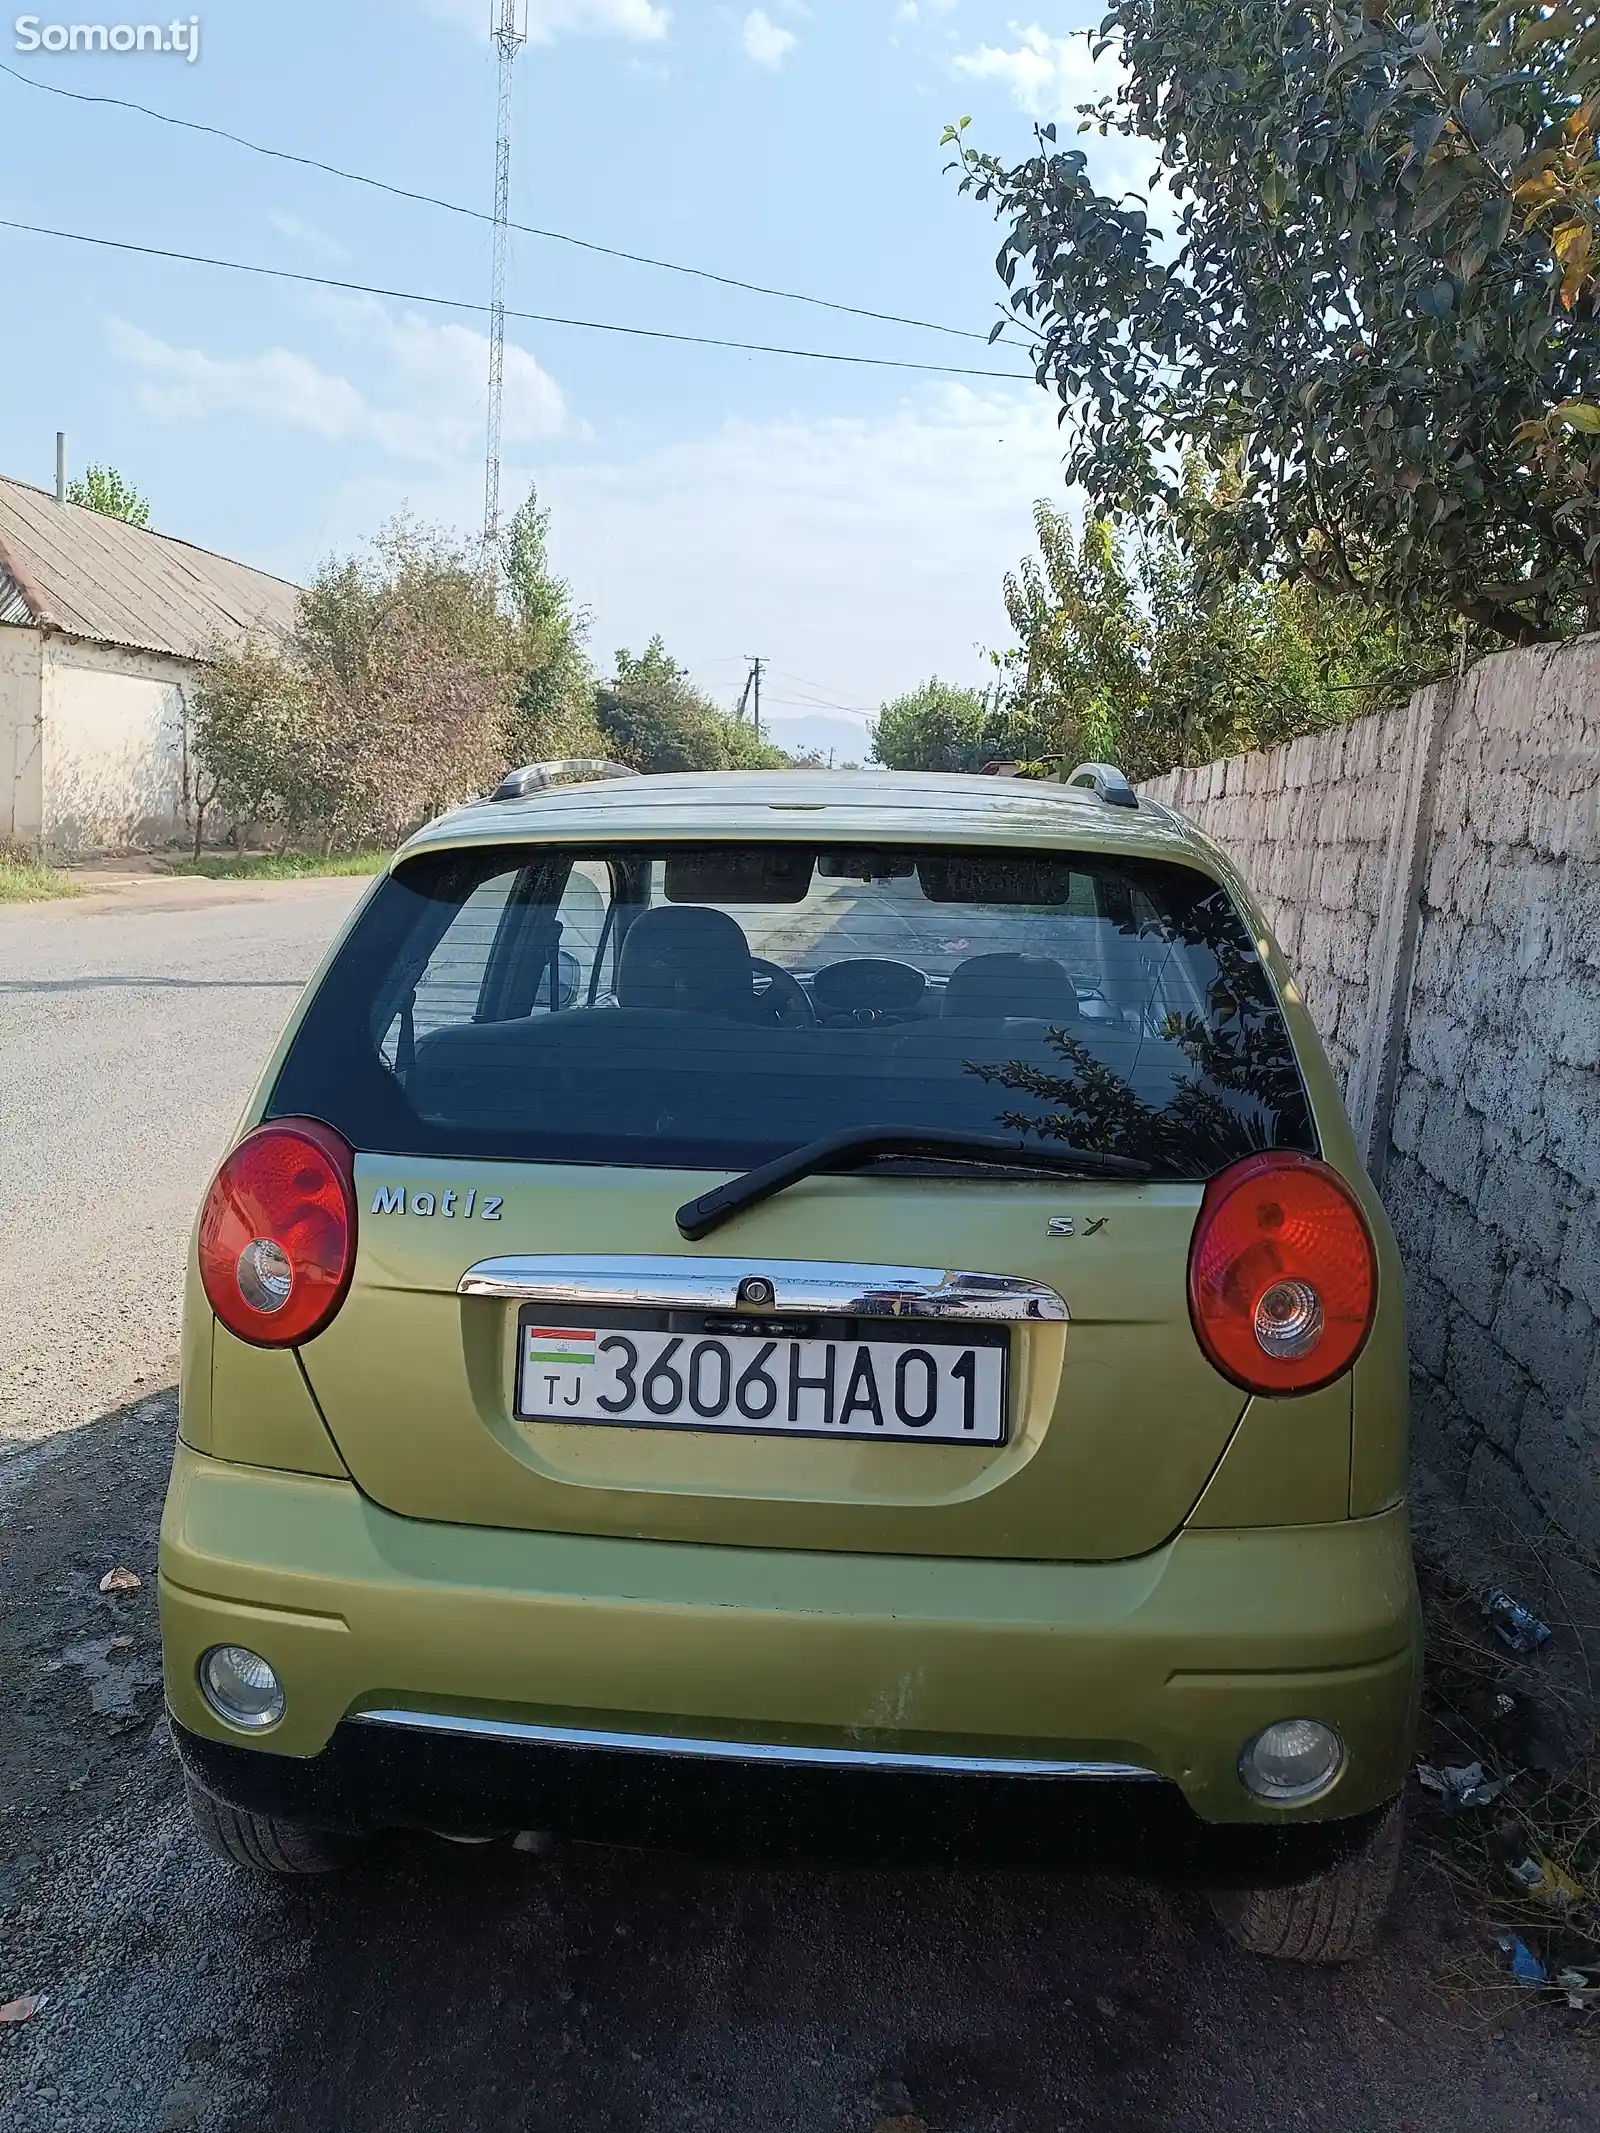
(997,986)
(687,957)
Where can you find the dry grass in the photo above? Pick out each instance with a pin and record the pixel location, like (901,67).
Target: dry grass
(26,881)
(276,866)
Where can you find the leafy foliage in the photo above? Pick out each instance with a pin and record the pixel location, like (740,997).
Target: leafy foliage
(414,676)
(553,712)
(404,684)
(1125,653)
(410,670)
(652,717)
(1379,301)
(249,716)
(934,727)
(103,489)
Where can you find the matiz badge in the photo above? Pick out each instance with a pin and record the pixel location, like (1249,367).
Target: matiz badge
(395,1200)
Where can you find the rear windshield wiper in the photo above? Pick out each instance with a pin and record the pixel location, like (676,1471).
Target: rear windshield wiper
(847,1151)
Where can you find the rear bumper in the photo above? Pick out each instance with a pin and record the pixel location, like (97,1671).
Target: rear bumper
(371,1778)
(1165,1665)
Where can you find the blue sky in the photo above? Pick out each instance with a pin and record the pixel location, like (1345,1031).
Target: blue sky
(850,524)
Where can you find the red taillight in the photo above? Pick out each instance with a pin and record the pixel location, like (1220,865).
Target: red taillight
(278,1233)
(1283,1276)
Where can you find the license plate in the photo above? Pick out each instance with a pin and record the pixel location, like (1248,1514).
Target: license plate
(861,1378)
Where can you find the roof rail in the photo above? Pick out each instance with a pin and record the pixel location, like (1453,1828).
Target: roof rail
(537,777)
(1107,781)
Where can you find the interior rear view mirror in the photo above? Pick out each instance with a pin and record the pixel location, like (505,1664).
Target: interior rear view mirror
(759,874)
(865,866)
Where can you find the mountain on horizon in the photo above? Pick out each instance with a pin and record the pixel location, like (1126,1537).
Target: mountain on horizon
(850,739)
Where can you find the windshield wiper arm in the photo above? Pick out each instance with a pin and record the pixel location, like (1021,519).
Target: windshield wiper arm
(845,1151)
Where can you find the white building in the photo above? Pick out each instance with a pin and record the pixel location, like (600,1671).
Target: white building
(104,631)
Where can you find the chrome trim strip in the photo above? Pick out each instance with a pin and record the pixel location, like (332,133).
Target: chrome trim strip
(836,1287)
(739,1751)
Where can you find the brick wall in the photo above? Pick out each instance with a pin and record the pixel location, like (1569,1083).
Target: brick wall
(1434,874)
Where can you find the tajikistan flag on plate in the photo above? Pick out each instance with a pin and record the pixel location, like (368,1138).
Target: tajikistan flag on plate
(558,1344)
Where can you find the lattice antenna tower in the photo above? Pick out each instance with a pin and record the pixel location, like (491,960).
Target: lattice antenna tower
(508,27)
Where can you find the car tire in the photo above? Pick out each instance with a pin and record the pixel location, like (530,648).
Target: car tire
(265,1843)
(1335,1918)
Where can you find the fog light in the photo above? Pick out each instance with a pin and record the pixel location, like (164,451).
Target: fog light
(241,1688)
(1293,1760)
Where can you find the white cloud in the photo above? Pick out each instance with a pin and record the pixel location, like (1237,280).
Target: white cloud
(861,552)
(313,243)
(185,384)
(438,371)
(766,42)
(924,10)
(640,21)
(1048,76)
(424,403)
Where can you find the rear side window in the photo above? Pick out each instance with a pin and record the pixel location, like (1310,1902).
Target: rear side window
(452,983)
(713,1006)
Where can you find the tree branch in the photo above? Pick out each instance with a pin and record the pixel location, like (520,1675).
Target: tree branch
(1508,622)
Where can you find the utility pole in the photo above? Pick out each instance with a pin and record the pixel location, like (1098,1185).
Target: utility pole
(744,698)
(508,26)
(753,682)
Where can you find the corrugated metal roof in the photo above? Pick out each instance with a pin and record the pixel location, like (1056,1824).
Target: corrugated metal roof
(94,577)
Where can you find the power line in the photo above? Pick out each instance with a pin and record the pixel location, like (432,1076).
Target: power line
(810,703)
(475,214)
(817,701)
(538,318)
(817,691)
(822,688)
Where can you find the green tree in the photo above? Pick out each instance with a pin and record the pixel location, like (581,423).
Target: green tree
(941,727)
(1124,653)
(653,717)
(103,489)
(1376,296)
(390,702)
(745,749)
(553,711)
(253,737)
(934,727)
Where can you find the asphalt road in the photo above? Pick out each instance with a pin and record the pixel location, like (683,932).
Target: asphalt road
(132,1029)
(484,1991)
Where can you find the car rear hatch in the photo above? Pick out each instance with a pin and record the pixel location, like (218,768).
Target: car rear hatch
(541,1059)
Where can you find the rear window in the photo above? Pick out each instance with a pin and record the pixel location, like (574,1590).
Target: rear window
(716,1006)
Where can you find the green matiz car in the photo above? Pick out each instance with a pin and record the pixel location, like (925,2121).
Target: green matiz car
(844,1301)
